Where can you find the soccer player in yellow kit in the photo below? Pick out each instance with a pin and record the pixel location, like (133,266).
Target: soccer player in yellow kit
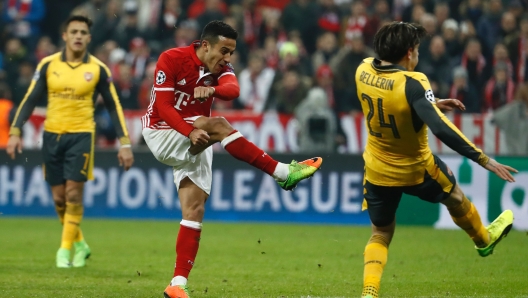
(399,105)
(72,80)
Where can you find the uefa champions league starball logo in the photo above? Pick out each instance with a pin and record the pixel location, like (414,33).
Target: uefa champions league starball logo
(160,77)
(430,96)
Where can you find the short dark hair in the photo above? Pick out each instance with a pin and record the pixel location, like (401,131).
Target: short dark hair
(77,18)
(392,41)
(214,29)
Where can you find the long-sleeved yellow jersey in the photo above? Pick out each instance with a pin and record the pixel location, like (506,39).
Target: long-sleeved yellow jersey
(399,105)
(71,90)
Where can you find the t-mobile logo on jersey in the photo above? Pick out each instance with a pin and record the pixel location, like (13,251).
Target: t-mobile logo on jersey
(182,98)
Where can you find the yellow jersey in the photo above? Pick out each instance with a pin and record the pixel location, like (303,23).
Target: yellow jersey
(71,89)
(398,106)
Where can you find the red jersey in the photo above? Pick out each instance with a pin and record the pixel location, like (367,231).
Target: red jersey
(172,103)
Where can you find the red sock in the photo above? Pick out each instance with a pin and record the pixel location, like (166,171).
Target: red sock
(242,149)
(186,250)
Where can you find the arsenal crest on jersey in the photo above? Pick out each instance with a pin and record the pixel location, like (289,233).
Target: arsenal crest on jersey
(88,76)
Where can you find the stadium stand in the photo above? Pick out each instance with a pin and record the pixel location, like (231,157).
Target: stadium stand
(475,52)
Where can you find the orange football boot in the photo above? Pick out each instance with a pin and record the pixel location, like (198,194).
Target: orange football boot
(176,292)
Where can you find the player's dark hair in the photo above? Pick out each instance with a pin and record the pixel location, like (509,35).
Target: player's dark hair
(393,40)
(214,29)
(77,18)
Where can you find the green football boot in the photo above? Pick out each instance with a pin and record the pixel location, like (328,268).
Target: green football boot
(82,253)
(498,229)
(63,258)
(300,171)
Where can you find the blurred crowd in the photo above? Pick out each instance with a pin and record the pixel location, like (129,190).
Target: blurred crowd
(291,54)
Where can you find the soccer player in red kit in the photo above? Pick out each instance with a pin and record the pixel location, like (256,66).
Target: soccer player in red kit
(179,131)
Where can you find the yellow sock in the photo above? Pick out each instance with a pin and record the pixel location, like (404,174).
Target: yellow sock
(79,237)
(467,217)
(375,254)
(72,221)
(60,213)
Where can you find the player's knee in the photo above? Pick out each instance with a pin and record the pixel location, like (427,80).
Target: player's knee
(457,204)
(455,198)
(59,201)
(382,222)
(59,196)
(74,196)
(194,213)
(457,194)
(220,125)
(383,232)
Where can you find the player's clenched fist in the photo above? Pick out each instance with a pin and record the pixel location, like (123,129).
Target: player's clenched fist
(199,137)
(202,93)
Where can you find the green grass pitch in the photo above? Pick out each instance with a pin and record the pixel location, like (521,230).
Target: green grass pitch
(135,259)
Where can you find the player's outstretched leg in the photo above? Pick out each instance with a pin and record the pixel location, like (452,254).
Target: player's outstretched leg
(466,216)
(287,176)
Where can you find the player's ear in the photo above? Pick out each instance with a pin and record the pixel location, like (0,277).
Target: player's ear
(64,36)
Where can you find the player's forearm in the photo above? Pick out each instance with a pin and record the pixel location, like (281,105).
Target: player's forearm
(461,146)
(116,114)
(37,88)
(228,88)
(118,119)
(23,113)
(107,90)
(448,133)
(174,119)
